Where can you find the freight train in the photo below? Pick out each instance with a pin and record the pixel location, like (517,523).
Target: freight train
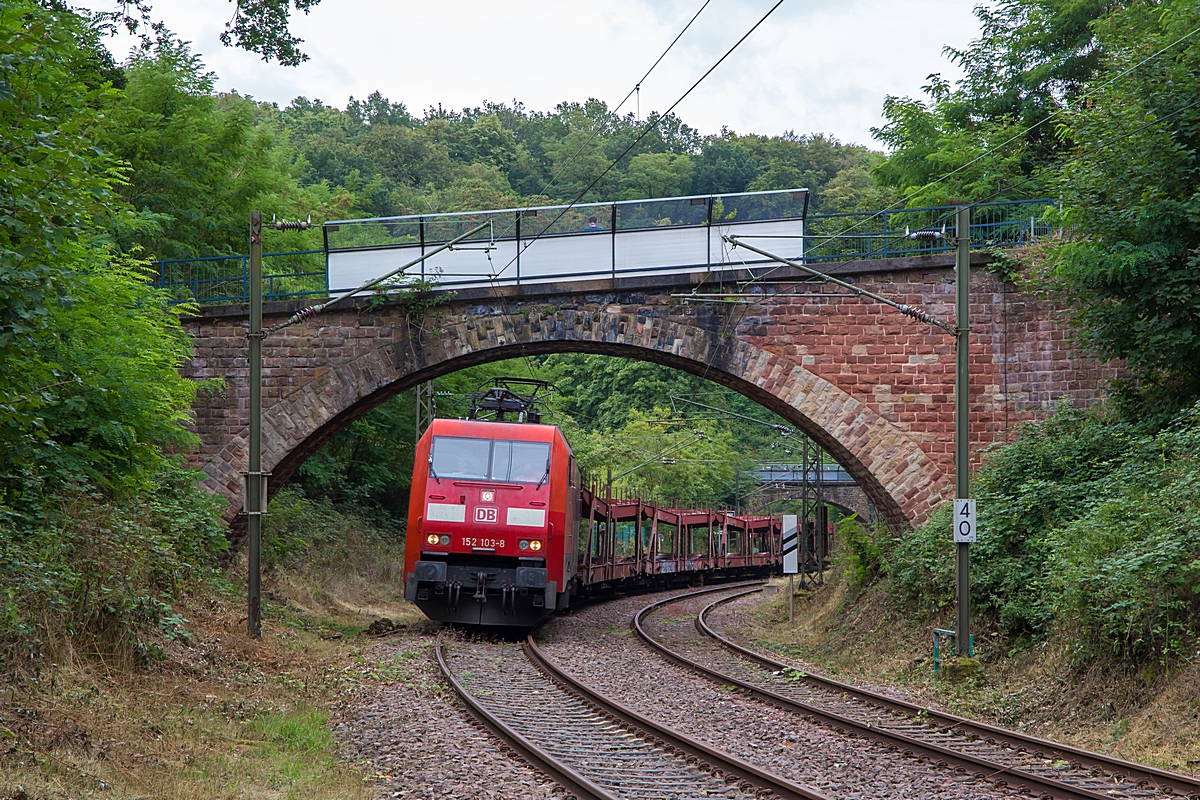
(494,529)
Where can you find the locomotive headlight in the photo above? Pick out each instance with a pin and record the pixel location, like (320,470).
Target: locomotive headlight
(433,538)
(445,539)
(487,497)
(535,545)
(523,544)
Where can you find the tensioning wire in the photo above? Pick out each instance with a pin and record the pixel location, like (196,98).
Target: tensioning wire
(636,87)
(650,125)
(899,203)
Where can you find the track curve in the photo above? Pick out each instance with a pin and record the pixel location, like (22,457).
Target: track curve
(1004,758)
(591,744)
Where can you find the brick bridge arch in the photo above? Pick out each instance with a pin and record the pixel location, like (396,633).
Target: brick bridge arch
(871,388)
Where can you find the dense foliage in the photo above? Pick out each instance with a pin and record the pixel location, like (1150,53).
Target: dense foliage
(1132,192)
(1090,529)
(497,156)
(1094,104)
(100,527)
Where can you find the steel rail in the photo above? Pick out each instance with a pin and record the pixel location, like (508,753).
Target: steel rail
(665,736)
(1164,780)
(709,759)
(566,777)
(1000,775)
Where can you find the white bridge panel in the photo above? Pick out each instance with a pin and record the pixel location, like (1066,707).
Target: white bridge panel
(664,250)
(664,247)
(589,253)
(725,254)
(349,269)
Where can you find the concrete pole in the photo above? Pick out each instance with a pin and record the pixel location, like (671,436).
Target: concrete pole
(962,426)
(255,502)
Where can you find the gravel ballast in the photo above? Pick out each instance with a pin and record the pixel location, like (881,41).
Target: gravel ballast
(597,646)
(419,741)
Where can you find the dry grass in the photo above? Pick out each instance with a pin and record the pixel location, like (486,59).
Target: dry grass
(222,715)
(1150,717)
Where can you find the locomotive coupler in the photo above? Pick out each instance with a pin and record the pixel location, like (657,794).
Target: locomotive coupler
(481,587)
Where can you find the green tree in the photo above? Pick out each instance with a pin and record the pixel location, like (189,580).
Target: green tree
(677,465)
(938,159)
(56,185)
(658,175)
(100,527)
(196,162)
(407,157)
(1131,199)
(491,143)
(1033,58)
(579,160)
(724,166)
(257,26)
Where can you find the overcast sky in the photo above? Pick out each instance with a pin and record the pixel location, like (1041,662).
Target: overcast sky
(814,66)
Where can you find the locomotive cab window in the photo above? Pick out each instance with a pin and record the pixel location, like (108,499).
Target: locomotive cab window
(454,457)
(485,459)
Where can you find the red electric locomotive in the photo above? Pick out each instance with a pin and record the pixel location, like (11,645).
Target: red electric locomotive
(493,520)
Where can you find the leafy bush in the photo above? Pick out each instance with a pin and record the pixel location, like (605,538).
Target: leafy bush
(105,573)
(101,530)
(865,550)
(921,569)
(1086,527)
(315,533)
(1129,568)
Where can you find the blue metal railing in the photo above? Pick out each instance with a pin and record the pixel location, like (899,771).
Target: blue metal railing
(880,234)
(828,237)
(222,279)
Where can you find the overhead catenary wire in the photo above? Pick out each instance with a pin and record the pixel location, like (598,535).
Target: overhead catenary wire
(1093,150)
(1060,110)
(783,429)
(636,89)
(983,200)
(1051,115)
(907,310)
(650,126)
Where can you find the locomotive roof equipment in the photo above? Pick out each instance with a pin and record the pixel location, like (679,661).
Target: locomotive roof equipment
(503,398)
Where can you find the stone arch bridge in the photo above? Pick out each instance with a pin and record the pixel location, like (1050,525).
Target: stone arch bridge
(870,386)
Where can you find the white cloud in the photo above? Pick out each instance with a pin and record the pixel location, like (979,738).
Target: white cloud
(813,66)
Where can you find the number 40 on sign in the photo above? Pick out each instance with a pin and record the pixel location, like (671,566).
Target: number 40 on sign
(964,521)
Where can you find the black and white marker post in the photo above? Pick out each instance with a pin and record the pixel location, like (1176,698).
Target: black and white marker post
(791,557)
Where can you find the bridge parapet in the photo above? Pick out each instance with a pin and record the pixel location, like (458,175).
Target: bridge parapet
(638,238)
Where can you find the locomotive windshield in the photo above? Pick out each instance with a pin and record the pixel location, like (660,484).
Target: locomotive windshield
(487,459)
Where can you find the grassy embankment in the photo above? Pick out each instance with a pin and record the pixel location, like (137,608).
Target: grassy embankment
(218,714)
(1085,592)
(1150,716)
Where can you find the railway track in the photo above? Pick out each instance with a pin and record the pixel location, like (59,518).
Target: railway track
(987,753)
(593,746)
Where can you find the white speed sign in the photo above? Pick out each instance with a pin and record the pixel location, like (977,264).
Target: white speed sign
(964,521)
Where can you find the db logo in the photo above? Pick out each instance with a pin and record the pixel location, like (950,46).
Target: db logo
(485,514)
